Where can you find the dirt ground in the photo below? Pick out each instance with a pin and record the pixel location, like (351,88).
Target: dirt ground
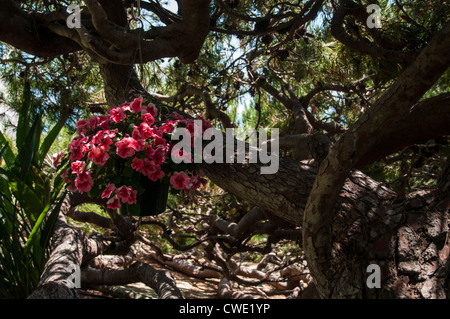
(191,288)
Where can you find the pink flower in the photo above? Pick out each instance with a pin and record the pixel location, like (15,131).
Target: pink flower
(137,104)
(108,191)
(98,156)
(82,127)
(151,108)
(125,107)
(177,116)
(159,141)
(113,203)
(103,139)
(168,127)
(146,130)
(65,175)
(195,182)
(143,132)
(77,167)
(117,114)
(158,174)
(179,180)
(72,187)
(137,135)
(138,164)
(78,148)
(127,147)
(57,158)
(148,168)
(127,194)
(148,118)
(93,122)
(103,122)
(182,156)
(84,181)
(190,126)
(158,156)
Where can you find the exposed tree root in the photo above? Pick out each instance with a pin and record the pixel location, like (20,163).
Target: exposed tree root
(225,291)
(160,281)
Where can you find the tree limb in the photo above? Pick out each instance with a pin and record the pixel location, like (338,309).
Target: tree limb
(348,7)
(19,29)
(387,112)
(426,120)
(160,281)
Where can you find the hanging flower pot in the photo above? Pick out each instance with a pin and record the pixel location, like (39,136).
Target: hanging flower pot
(125,158)
(153,200)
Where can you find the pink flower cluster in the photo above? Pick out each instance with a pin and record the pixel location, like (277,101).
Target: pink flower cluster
(132,135)
(123,194)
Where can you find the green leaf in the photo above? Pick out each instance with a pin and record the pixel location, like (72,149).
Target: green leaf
(8,154)
(116,180)
(95,192)
(128,171)
(48,228)
(35,232)
(27,198)
(28,150)
(42,184)
(23,124)
(3,150)
(48,141)
(134,210)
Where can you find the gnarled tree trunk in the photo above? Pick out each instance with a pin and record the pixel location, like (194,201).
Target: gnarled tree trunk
(406,236)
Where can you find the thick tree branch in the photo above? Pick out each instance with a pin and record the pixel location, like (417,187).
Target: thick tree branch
(19,29)
(160,281)
(212,112)
(306,146)
(426,120)
(357,143)
(47,35)
(68,247)
(225,291)
(291,103)
(348,7)
(90,217)
(166,16)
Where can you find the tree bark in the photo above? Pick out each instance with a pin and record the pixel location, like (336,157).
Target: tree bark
(71,247)
(160,281)
(68,247)
(356,144)
(370,223)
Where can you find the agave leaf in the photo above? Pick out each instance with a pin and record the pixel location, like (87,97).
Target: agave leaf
(7,153)
(49,140)
(28,150)
(50,222)
(27,198)
(23,124)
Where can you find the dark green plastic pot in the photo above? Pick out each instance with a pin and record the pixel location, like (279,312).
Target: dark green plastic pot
(154,199)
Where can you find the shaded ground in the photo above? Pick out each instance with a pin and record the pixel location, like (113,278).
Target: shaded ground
(191,288)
